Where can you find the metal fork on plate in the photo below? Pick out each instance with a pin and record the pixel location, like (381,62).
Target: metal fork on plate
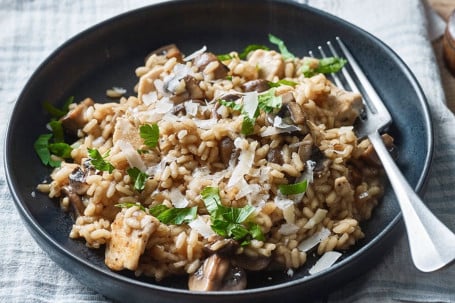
(432,244)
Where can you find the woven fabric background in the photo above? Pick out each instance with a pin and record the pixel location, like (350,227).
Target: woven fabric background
(31,30)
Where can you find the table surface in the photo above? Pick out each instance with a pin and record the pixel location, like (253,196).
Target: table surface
(444,8)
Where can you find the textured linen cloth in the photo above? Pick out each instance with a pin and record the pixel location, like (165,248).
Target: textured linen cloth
(31,30)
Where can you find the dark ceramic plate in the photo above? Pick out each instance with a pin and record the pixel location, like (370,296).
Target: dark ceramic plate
(106,56)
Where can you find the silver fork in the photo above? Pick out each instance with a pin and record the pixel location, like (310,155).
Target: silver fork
(432,244)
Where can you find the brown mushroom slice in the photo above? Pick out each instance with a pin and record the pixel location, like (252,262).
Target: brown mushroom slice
(252,263)
(306,148)
(258,85)
(370,156)
(204,59)
(74,119)
(275,156)
(170,51)
(217,274)
(77,180)
(75,200)
(226,148)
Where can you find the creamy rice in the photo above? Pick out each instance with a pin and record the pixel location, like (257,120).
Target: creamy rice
(309,138)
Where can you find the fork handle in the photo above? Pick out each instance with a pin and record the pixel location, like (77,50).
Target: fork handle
(432,244)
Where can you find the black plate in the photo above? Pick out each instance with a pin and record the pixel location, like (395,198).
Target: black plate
(106,56)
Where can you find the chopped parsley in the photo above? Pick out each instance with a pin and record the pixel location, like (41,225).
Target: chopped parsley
(281,46)
(282,82)
(175,216)
(56,112)
(45,150)
(293,189)
(324,66)
(138,177)
(230,222)
(150,133)
(99,161)
(266,101)
(165,214)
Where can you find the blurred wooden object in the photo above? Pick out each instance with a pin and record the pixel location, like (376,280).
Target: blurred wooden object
(445,8)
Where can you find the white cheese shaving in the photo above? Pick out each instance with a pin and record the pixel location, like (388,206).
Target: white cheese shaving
(202,227)
(177,198)
(164,106)
(314,239)
(279,123)
(287,206)
(245,162)
(131,155)
(205,124)
(250,103)
(195,54)
(191,108)
(327,260)
(150,98)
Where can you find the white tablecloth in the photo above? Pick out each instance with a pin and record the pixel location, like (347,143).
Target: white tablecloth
(31,30)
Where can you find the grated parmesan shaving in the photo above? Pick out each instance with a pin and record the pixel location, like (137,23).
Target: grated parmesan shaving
(177,198)
(245,163)
(202,227)
(314,240)
(316,219)
(327,260)
(195,54)
(131,155)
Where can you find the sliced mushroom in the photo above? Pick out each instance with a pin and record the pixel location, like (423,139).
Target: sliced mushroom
(74,119)
(204,59)
(274,155)
(77,181)
(75,200)
(252,263)
(170,51)
(217,274)
(226,147)
(305,148)
(258,85)
(186,88)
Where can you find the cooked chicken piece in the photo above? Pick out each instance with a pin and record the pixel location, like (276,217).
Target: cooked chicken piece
(74,119)
(124,130)
(146,82)
(129,236)
(270,63)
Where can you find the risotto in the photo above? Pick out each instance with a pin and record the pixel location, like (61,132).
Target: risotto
(218,166)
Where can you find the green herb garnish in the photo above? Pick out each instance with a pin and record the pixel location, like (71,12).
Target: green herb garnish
(56,112)
(150,133)
(266,101)
(138,177)
(41,147)
(173,215)
(230,222)
(282,82)
(325,66)
(281,46)
(224,57)
(131,204)
(57,130)
(99,161)
(293,189)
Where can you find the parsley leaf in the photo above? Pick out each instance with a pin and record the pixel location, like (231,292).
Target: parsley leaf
(281,46)
(138,177)
(56,112)
(282,82)
(99,161)
(41,147)
(224,57)
(230,222)
(293,189)
(131,204)
(150,133)
(57,130)
(173,215)
(165,214)
(268,102)
(325,66)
